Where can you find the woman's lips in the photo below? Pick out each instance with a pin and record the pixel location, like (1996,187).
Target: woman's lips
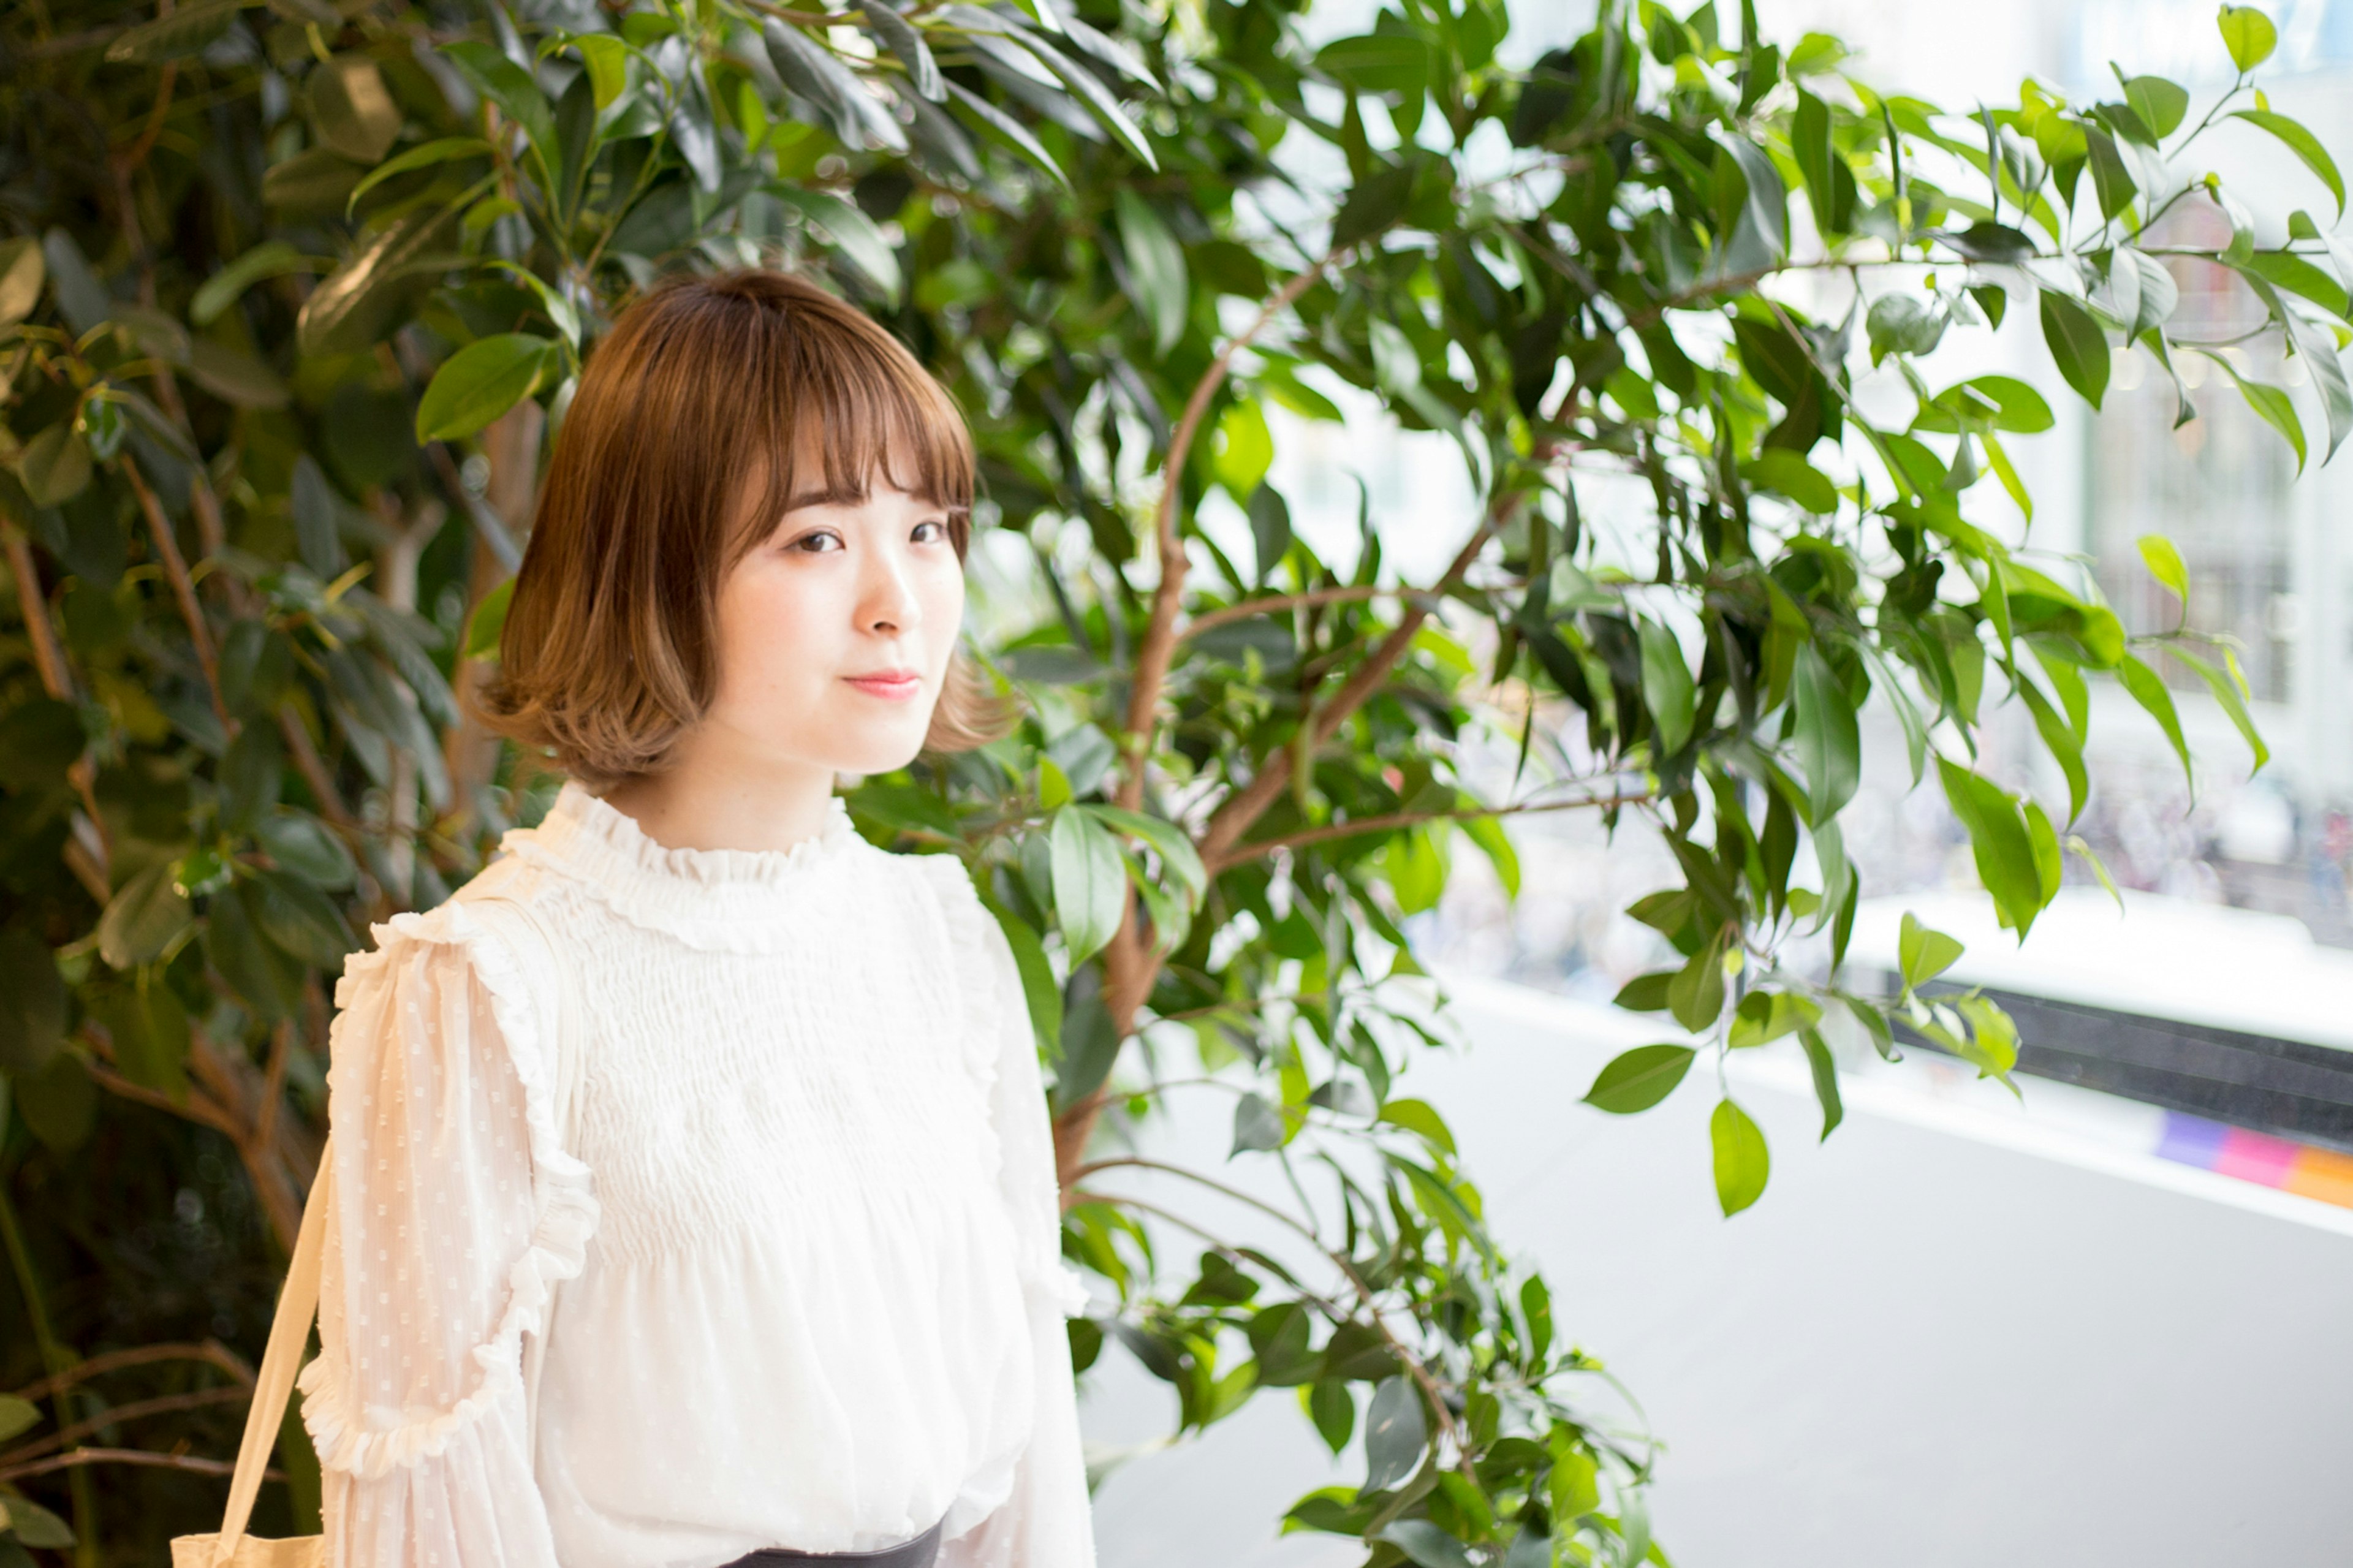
(891,685)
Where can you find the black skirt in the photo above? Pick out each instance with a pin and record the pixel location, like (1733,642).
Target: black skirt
(916,1554)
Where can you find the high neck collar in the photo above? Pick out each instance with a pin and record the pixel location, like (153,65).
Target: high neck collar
(707,898)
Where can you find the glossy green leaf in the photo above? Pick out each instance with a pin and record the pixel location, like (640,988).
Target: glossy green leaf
(146,914)
(54,467)
(2231,697)
(1667,687)
(2272,405)
(899,36)
(1742,1161)
(1830,742)
(1395,1434)
(1637,1079)
(512,87)
(1425,1545)
(2160,104)
(1090,882)
(2078,346)
(2249,35)
(850,229)
(1824,1071)
(1998,843)
(2164,563)
(1156,263)
(1923,953)
(481,381)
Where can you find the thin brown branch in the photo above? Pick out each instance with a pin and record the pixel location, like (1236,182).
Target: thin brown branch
(1249,608)
(1245,806)
(188,1462)
(198,1107)
(1391,822)
(1158,645)
(48,658)
(163,1404)
(183,589)
(211,1352)
(313,769)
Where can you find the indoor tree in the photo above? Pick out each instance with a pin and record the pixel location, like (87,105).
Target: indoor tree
(295,292)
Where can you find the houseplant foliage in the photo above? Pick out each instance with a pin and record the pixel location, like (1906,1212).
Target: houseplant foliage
(294,291)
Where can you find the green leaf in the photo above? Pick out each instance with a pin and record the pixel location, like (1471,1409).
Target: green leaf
(448,149)
(1899,324)
(2303,144)
(1574,1487)
(1742,1161)
(489,619)
(32,1009)
(149,1029)
(1258,1125)
(1923,953)
(2149,691)
(1999,842)
(301,843)
(1176,850)
(23,270)
(2164,564)
(2160,104)
(1696,994)
(1826,1084)
(1155,265)
(902,37)
(142,919)
(357,303)
(1667,688)
(1090,91)
(851,230)
(352,109)
(1778,469)
(2066,747)
(481,381)
(2271,404)
(1640,1078)
(2249,35)
(1007,130)
(2110,179)
(510,86)
(300,919)
(1379,62)
(608,59)
(2231,699)
(35,1526)
(1244,449)
(1830,742)
(1420,1118)
(1090,882)
(1424,1543)
(54,467)
(2078,345)
(189,31)
(1395,1434)
(60,1105)
(1375,201)
(1763,1016)
(16,1416)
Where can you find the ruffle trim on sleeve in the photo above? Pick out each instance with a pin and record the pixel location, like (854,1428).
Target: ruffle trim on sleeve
(563,1189)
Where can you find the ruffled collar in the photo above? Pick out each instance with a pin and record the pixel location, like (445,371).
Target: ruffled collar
(727,898)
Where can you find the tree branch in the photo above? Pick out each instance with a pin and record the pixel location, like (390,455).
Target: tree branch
(1155,653)
(161,1406)
(188,1462)
(212,1351)
(183,589)
(1391,821)
(1248,609)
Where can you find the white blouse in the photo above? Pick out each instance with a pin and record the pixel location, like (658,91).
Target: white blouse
(798,1192)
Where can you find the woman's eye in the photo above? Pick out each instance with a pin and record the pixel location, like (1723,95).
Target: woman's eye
(929,530)
(817,544)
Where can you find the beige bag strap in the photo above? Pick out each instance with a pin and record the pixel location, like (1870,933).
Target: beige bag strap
(290,1333)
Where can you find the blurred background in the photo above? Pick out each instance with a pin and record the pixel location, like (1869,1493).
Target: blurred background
(2106,1323)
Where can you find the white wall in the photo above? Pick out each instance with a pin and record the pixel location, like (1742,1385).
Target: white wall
(1950,1337)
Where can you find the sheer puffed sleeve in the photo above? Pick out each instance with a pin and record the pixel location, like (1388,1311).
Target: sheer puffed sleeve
(1046,1522)
(456,1213)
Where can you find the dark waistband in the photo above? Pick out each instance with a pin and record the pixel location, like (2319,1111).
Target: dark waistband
(916,1554)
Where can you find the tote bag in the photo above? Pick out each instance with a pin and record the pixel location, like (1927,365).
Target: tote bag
(297,1303)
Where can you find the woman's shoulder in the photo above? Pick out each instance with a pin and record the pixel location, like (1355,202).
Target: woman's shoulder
(474,927)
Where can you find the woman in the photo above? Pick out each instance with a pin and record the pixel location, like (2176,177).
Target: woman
(762,1099)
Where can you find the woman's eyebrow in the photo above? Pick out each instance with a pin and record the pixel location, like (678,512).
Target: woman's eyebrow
(840,495)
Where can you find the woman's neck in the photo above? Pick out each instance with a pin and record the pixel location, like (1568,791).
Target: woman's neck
(705,801)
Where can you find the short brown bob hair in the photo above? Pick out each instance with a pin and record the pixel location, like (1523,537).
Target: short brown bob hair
(683,447)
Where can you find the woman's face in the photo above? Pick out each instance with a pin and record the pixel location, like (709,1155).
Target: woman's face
(835,632)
